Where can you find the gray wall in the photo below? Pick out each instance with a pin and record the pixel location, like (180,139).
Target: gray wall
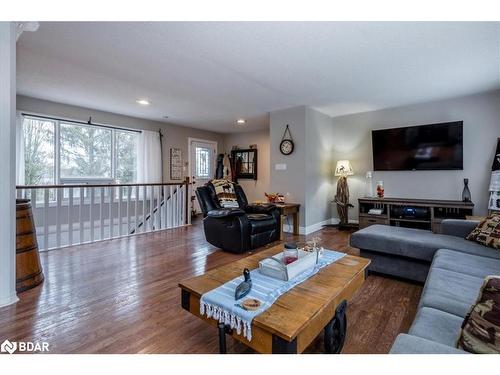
(308,178)
(319,167)
(291,181)
(321,141)
(254,189)
(175,136)
(481,116)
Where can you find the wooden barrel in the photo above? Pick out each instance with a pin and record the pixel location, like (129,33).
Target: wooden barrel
(28,267)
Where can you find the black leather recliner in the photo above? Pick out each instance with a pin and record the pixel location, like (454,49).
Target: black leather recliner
(237,229)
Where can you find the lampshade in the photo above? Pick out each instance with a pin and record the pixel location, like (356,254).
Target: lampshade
(343,168)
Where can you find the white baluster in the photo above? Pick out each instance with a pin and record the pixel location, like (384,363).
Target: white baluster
(144,197)
(182,205)
(80,214)
(171,207)
(136,208)
(151,204)
(58,216)
(111,198)
(70,217)
(165,205)
(119,210)
(91,214)
(128,209)
(101,213)
(176,215)
(46,219)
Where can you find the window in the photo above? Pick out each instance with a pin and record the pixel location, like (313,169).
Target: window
(126,157)
(39,151)
(202,162)
(58,152)
(85,152)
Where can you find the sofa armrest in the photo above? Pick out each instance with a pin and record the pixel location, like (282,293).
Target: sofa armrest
(408,344)
(222,213)
(264,208)
(458,228)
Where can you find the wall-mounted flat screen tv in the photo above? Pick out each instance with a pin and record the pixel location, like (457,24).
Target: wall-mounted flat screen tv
(415,148)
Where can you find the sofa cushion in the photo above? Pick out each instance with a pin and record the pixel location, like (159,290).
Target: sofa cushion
(481,327)
(450,291)
(436,325)
(408,344)
(468,264)
(414,243)
(487,232)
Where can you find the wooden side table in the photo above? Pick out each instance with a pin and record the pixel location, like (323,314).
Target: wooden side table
(287,209)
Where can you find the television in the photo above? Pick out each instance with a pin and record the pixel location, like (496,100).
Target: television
(417,148)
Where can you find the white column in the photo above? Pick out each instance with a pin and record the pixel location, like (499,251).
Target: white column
(7,155)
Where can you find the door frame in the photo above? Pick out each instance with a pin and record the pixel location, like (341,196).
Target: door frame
(190,140)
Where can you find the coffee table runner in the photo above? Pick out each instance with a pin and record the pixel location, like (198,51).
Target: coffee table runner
(220,304)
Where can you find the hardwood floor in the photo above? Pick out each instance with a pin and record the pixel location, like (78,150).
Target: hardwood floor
(121,296)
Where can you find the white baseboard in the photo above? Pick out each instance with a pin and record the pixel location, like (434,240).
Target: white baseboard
(310,228)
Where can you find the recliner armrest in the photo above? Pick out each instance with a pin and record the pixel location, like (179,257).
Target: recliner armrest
(225,212)
(260,208)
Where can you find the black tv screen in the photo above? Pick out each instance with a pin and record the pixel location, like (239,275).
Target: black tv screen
(414,148)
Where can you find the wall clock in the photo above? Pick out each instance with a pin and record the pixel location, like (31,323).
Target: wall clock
(287,145)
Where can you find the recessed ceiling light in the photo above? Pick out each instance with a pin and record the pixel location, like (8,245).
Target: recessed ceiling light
(241,121)
(165,116)
(143,101)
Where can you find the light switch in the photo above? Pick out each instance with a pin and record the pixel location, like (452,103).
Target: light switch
(280,167)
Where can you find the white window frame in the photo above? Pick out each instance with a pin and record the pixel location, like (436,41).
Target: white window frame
(58,180)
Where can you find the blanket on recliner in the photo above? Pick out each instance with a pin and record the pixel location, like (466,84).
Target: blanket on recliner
(224,191)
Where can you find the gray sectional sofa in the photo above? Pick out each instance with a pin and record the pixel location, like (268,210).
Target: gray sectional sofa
(453,268)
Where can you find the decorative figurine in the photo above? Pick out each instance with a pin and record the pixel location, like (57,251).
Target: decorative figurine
(244,288)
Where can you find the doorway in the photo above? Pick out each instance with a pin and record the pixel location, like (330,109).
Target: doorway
(202,155)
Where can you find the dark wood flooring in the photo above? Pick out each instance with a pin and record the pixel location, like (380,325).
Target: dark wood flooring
(121,296)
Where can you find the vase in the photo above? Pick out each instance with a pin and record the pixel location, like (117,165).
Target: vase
(369,185)
(466,192)
(380,189)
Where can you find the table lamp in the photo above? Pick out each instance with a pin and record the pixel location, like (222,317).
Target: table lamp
(342,170)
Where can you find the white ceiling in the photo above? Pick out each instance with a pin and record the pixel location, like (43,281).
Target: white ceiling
(208,74)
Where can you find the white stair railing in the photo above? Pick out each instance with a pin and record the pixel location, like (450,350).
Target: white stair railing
(67,215)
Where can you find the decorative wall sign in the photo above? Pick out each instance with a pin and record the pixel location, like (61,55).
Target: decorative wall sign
(175,163)
(287,145)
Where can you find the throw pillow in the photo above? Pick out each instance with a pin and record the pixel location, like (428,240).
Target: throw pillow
(224,191)
(487,232)
(480,331)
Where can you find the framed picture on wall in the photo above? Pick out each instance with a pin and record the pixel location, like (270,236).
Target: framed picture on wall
(175,163)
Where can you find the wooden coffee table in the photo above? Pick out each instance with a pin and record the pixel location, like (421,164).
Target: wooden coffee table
(298,316)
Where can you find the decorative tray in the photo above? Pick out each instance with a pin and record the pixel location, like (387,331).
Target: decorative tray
(275,267)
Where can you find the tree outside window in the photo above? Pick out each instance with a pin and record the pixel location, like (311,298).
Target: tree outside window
(83,153)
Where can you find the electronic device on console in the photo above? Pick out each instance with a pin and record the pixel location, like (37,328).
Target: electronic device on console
(410,212)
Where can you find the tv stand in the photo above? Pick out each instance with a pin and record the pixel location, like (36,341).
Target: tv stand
(412,213)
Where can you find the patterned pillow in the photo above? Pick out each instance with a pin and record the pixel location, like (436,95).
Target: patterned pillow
(481,328)
(487,232)
(224,191)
